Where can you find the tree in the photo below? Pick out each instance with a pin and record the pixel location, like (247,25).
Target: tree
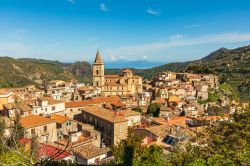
(132,152)
(137,109)
(154,109)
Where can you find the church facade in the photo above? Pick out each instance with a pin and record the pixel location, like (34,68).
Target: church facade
(124,84)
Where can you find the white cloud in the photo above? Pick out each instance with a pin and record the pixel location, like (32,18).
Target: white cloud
(103,7)
(233,37)
(71,1)
(144,57)
(176,37)
(192,26)
(112,57)
(153,12)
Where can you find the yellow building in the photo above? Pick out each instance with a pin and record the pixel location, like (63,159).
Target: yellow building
(124,84)
(5,97)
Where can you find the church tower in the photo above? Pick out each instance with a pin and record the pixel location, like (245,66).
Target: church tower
(98,70)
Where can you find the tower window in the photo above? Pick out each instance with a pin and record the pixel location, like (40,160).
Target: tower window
(97,72)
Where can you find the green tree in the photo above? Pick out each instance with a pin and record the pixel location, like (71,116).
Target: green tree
(137,109)
(132,152)
(154,109)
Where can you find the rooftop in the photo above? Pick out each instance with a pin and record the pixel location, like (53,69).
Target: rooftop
(95,100)
(90,151)
(59,118)
(105,114)
(34,121)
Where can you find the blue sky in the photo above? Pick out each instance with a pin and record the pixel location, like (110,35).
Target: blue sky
(156,30)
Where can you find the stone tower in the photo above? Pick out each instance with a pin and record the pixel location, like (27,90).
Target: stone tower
(98,70)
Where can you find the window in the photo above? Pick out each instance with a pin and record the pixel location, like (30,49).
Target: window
(120,128)
(33,131)
(68,123)
(44,128)
(97,72)
(53,108)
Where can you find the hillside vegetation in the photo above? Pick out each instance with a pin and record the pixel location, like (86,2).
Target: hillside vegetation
(21,72)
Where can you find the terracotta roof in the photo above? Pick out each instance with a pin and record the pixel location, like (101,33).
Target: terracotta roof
(47,150)
(178,121)
(159,131)
(90,151)
(127,71)
(104,114)
(9,106)
(59,118)
(34,120)
(96,100)
(84,88)
(173,98)
(24,105)
(4,91)
(50,100)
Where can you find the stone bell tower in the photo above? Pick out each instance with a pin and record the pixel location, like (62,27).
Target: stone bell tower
(98,70)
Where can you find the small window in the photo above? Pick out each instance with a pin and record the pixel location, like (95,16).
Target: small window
(53,108)
(97,72)
(45,128)
(33,131)
(68,123)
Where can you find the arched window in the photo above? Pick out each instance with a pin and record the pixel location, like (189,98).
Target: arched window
(97,72)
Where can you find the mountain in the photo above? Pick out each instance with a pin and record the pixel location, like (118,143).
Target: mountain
(21,72)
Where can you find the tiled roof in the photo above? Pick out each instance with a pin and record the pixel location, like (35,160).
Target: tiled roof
(10,105)
(4,91)
(59,118)
(47,150)
(159,131)
(96,100)
(90,151)
(50,100)
(34,120)
(84,88)
(127,71)
(24,105)
(178,121)
(103,113)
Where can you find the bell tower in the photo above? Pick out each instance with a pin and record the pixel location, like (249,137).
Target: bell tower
(98,70)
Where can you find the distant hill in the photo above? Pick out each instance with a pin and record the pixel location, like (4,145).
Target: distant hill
(21,72)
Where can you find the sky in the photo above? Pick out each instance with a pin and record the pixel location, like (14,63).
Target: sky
(153,30)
